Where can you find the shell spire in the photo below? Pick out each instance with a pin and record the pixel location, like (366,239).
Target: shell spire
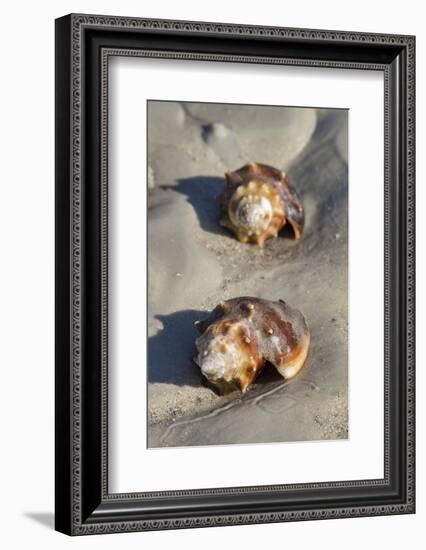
(257,202)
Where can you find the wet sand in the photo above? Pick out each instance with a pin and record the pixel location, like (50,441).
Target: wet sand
(194,264)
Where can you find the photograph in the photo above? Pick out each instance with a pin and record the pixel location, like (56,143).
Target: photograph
(247,219)
(209,279)
(234,272)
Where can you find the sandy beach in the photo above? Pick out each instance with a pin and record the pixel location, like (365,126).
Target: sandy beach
(193,264)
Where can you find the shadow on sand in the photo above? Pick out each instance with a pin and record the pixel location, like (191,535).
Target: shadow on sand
(202,193)
(171,350)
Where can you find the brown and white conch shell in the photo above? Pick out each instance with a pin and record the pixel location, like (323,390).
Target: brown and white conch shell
(242,334)
(258,200)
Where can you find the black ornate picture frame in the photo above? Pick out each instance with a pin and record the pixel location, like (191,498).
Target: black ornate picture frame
(84,44)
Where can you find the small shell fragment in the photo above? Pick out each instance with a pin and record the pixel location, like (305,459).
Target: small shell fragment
(258,200)
(234,345)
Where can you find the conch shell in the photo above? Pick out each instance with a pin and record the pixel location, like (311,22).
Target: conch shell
(257,202)
(241,334)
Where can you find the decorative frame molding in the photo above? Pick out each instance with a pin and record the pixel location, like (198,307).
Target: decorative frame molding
(84,44)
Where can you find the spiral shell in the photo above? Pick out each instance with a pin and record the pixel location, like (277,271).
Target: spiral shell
(257,202)
(242,334)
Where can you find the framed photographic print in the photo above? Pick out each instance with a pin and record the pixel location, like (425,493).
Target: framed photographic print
(234,274)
